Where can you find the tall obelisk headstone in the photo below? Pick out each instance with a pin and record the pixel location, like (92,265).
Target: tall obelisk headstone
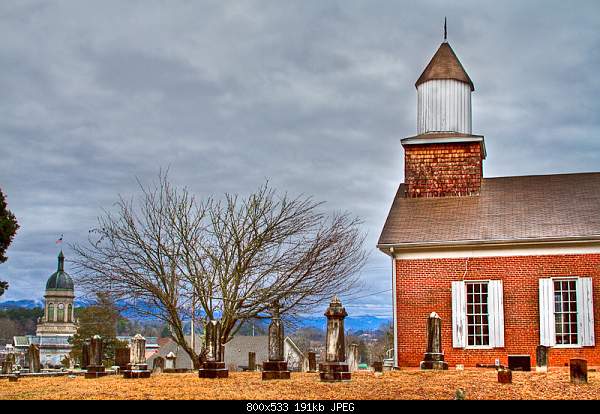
(95,367)
(335,368)
(276,367)
(214,367)
(434,357)
(33,358)
(137,368)
(85,354)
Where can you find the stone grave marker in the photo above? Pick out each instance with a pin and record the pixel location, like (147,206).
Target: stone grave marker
(335,368)
(33,358)
(276,367)
(122,357)
(578,371)
(95,367)
(434,357)
(312,362)
(541,358)
(504,376)
(137,367)
(353,357)
(214,367)
(251,361)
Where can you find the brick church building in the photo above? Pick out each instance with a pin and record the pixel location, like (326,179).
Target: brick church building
(509,263)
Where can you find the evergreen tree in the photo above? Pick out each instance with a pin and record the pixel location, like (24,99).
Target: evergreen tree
(8,228)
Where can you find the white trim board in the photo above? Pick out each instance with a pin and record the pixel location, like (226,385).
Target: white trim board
(497,251)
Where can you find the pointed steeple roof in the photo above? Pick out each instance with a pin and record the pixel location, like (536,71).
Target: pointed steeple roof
(445,65)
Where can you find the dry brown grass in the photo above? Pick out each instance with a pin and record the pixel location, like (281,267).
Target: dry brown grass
(405,384)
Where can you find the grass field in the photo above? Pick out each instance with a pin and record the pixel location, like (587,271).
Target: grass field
(405,384)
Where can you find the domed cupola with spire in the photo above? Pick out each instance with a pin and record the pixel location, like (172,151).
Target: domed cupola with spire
(58,316)
(444,158)
(60,280)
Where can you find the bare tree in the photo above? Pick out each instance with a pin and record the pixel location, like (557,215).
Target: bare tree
(233,257)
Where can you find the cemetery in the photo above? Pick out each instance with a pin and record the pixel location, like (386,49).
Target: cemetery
(337,377)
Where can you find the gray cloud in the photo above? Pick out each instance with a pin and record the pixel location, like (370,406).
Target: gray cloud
(313,95)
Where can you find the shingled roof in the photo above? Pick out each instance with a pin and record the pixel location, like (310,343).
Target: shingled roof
(445,65)
(508,209)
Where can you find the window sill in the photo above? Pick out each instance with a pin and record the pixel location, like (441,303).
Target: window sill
(478,347)
(567,346)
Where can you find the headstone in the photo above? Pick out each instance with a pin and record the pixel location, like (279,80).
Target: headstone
(335,368)
(378,366)
(353,357)
(137,367)
(504,376)
(95,367)
(276,367)
(519,362)
(434,357)
(214,367)
(13,378)
(541,358)
(251,361)
(170,360)
(158,365)
(312,362)
(460,367)
(122,357)
(578,370)
(85,354)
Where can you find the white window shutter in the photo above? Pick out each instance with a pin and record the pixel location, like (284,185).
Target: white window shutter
(547,331)
(459,315)
(585,311)
(496,314)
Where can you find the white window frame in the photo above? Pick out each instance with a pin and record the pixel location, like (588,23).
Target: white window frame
(495,314)
(585,336)
(480,282)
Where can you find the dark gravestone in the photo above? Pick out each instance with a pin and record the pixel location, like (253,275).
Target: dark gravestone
(378,366)
(95,368)
(276,367)
(85,354)
(214,367)
(251,361)
(122,357)
(158,365)
(335,368)
(13,378)
(434,357)
(33,358)
(578,371)
(312,362)
(519,362)
(504,376)
(541,358)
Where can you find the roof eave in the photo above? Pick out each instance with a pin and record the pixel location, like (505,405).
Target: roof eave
(388,248)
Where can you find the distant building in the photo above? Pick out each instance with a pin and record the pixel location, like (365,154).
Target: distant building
(58,323)
(236,353)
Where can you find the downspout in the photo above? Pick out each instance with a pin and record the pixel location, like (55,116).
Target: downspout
(394,306)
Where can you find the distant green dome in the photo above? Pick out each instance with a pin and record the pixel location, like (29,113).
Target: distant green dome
(60,280)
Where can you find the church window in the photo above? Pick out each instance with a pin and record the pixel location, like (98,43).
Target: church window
(477,314)
(566,312)
(61,312)
(50,312)
(70,313)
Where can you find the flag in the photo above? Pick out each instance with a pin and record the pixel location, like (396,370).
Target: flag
(59,240)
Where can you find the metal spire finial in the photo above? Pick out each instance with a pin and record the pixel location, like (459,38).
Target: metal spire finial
(445,30)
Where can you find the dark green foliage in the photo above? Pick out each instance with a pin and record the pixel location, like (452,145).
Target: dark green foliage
(8,229)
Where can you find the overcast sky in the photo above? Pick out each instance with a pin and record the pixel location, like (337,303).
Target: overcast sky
(314,95)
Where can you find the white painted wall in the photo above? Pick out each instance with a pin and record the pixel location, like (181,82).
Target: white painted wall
(444,105)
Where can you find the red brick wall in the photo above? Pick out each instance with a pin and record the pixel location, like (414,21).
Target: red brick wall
(437,170)
(424,286)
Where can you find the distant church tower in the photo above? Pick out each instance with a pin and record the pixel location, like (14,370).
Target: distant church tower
(444,158)
(59,318)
